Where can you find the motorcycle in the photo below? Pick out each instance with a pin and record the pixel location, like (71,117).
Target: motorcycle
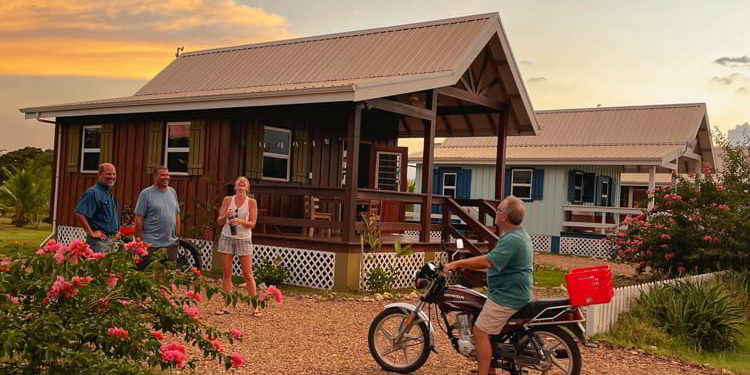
(541,337)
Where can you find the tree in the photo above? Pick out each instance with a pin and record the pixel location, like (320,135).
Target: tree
(26,190)
(19,157)
(700,224)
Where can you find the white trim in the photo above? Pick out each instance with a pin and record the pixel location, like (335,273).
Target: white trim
(377,167)
(168,149)
(455,183)
(92,150)
(288,156)
(576,187)
(529,185)
(604,193)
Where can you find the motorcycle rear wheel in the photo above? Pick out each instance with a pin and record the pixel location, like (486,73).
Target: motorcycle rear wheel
(564,356)
(402,357)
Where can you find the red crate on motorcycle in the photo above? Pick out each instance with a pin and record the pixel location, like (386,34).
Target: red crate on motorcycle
(590,285)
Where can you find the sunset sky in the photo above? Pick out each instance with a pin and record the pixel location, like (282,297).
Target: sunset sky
(571,53)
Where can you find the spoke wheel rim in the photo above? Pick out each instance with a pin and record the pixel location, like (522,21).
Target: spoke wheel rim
(552,344)
(391,351)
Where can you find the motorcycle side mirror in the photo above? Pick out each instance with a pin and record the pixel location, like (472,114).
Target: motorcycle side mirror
(459,243)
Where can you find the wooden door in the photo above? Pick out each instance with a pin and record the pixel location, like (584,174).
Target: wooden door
(390,174)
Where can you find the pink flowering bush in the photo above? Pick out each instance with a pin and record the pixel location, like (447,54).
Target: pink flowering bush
(700,224)
(67,310)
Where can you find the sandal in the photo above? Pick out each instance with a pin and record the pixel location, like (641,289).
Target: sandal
(257,313)
(221,312)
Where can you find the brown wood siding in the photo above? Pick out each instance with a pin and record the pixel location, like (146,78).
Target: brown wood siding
(224,157)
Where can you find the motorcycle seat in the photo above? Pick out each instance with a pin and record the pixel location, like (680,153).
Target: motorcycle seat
(533,308)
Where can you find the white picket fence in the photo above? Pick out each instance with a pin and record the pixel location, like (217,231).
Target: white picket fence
(601,318)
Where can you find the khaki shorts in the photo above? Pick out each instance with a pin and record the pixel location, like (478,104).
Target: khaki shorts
(493,317)
(235,246)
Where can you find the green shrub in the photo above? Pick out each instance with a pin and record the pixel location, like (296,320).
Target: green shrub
(271,272)
(704,315)
(380,279)
(638,328)
(739,283)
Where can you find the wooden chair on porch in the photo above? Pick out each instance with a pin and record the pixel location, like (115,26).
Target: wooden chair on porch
(312,208)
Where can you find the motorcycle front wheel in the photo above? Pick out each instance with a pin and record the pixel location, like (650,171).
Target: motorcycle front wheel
(402,356)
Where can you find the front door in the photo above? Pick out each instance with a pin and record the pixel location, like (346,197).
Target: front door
(390,174)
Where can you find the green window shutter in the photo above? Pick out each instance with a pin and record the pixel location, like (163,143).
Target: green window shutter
(197,147)
(107,143)
(300,155)
(155,142)
(74,147)
(254,151)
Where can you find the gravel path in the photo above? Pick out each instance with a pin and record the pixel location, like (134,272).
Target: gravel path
(308,336)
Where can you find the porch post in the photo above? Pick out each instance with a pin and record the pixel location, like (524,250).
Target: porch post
(651,186)
(502,135)
(352,168)
(428,152)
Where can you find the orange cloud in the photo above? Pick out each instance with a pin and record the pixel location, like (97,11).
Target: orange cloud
(123,39)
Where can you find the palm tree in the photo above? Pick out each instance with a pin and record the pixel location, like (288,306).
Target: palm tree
(21,196)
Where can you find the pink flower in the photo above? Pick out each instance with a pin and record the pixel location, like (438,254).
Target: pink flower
(192,311)
(272,290)
(60,287)
(236,333)
(720,187)
(174,353)
(664,246)
(237,360)
(723,207)
(51,247)
(12,299)
(217,345)
(196,271)
(665,237)
(102,304)
(668,256)
(681,269)
(59,257)
(157,335)
(112,282)
(668,196)
(125,302)
(40,252)
(78,250)
(118,332)
(97,255)
(138,247)
(195,296)
(691,175)
(81,281)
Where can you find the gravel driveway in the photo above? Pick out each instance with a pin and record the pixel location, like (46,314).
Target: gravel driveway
(308,336)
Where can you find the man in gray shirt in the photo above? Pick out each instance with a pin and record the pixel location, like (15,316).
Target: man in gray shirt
(157,214)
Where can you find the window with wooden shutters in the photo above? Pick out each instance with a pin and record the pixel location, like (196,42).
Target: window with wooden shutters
(107,143)
(276,153)
(578,187)
(177,147)
(197,147)
(254,151)
(155,144)
(449,184)
(301,147)
(521,180)
(388,171)
(74,143)
(91,148)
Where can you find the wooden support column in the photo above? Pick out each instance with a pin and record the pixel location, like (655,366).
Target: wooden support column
(428,153)
(352,168)
(502,135)
(651,186)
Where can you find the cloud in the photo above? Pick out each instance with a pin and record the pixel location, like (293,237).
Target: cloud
(733,61)
(124,39)
(727,80)
(536,80)
(526,62)
(744,90)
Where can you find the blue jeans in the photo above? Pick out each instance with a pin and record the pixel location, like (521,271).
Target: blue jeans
(98,245)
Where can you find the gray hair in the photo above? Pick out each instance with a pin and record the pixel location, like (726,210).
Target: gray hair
(158,170)
(514,209)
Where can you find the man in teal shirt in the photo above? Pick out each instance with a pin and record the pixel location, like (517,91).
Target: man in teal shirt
(509,277)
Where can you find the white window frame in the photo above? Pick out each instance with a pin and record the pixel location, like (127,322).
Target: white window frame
(85,150)
(604,194)
(377,168)
(168,149)
(576,187)
(529,185)
(278,156)
(455,183)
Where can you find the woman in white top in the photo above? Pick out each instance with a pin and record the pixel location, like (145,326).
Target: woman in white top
(241,212)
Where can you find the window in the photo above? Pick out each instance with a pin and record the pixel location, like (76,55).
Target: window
(604,188)
(578,192)
(521,183)
(178,147)
(276,152)
(388,169)
(91,150)
(449,184)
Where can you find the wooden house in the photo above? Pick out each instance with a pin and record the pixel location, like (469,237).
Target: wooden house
(314,123)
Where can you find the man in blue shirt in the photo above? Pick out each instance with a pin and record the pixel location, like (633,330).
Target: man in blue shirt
(509,277)
(96,211)
(157,214)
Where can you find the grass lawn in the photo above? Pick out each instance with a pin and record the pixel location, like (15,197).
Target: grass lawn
(25,240)
(548,277)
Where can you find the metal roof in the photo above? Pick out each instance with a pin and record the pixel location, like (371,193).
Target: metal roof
(352,66)
(634,135)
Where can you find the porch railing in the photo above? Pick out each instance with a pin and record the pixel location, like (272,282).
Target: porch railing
(596,218)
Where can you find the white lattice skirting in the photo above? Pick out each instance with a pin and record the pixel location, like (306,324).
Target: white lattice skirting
(406,267)
(541,242)
(66,234)
(309,268)
(435,234)
(590,247)
(442,258)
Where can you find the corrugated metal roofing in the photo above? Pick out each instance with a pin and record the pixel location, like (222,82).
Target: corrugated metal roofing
(327,60)
(636,125)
